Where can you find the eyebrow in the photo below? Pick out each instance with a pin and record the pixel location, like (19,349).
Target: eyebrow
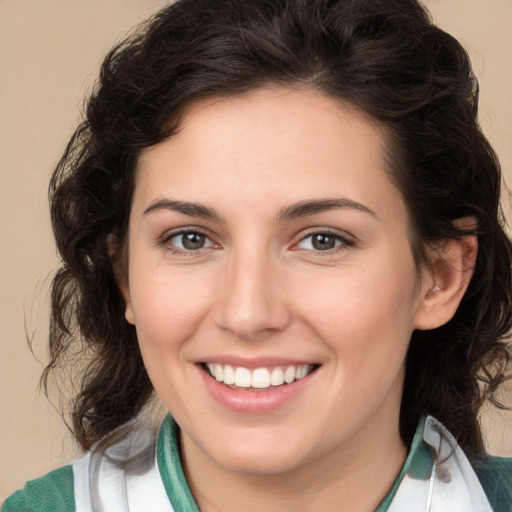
(294,211)
(311,207)
(187,208)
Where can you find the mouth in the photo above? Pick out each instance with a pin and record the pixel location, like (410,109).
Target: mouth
(258,379)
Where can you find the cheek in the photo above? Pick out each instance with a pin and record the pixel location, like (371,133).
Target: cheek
(168,307)
(365,318)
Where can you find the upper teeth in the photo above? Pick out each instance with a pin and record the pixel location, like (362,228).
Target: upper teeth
(260,377)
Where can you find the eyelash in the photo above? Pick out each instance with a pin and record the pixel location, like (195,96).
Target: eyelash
(165,241)
(344,241)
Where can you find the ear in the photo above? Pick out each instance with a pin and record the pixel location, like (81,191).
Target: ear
(119,259)
(451,267)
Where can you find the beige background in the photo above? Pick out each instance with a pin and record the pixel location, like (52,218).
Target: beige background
(49,54)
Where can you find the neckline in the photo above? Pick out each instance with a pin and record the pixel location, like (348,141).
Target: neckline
(418,463)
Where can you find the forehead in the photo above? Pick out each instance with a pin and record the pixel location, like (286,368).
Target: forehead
(269,144)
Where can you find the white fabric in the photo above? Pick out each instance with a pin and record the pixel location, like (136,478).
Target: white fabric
(81,483)
(453,486)
(122,477)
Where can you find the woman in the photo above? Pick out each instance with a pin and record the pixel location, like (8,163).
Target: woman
(281,217)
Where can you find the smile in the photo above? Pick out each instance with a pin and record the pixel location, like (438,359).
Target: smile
(259,378)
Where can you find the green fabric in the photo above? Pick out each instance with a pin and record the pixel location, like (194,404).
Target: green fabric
(171,471)
(50,493)
(495,475)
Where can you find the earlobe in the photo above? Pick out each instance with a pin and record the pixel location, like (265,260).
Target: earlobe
(125,292)
(119,262)
(452,262)
(128,314)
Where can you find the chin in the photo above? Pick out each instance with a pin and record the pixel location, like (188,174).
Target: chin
(261,456)
(262,464)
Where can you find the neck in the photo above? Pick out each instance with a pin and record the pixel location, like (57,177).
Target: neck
(356,476)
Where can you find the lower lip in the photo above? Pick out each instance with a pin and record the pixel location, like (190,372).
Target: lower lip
(255,402)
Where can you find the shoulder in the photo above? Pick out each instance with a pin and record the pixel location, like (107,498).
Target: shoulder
(52,492)
(495,475)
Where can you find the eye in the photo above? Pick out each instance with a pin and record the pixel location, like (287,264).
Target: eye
(323,241)
(187,241)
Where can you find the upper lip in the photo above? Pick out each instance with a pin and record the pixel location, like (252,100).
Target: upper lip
(256,362)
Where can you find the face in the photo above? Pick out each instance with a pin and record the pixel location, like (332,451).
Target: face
(271,280)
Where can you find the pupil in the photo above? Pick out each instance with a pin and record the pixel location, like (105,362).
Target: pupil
(323,242)
(193,241)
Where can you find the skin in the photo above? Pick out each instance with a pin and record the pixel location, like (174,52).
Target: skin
(259,288)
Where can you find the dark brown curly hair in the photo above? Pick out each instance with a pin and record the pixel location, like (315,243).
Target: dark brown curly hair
(388,59)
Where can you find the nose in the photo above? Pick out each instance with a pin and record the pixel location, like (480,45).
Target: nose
(253,302)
